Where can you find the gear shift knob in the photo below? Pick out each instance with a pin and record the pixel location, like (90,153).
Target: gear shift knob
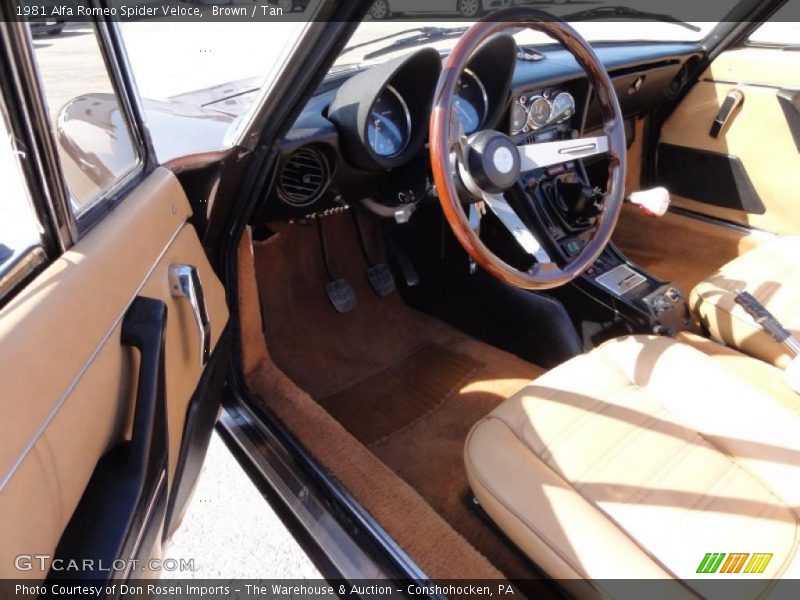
(653,202)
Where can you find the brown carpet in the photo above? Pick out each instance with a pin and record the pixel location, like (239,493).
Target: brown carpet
(407,385)
(677,248)
(408,390)
(400,510)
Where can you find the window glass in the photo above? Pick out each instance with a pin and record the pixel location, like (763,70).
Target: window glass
(776,34)
(94,142)
(19,228)
(781,29)
(213,70)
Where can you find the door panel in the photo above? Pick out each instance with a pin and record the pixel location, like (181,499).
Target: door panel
(750,173)
(66,380)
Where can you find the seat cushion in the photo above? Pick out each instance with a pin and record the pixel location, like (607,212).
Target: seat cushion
(771,273)
(637,459)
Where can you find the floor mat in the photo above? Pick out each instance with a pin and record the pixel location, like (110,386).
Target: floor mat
(374,369)
(387,402)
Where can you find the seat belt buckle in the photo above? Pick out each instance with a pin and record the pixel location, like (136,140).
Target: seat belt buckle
(768,321)
(771,325)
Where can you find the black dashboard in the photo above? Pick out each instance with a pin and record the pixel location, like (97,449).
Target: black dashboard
(363,135)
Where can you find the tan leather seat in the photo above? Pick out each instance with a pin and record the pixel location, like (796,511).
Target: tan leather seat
(771,273)
(634,461)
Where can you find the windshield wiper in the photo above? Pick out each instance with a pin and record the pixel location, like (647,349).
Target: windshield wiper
(625,12)
(421,35)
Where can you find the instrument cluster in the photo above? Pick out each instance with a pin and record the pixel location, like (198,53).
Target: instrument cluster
(532,111)
(389,123)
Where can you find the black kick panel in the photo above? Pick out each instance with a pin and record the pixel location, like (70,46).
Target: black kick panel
(709,177)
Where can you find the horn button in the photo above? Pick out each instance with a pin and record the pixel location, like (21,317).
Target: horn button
(492,161)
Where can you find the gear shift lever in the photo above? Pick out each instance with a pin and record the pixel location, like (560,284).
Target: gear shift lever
(653,202)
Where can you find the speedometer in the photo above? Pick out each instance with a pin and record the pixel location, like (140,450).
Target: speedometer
(470,102)
(389,123)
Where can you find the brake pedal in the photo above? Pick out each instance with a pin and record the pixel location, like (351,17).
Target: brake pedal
(378,274)
(339,290)
(381,279)
(341,295)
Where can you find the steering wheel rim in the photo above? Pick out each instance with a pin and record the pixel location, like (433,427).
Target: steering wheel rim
(443,143)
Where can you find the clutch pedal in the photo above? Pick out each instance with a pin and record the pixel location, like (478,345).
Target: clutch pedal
(339,290)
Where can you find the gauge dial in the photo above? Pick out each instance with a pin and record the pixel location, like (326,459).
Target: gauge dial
(519,118)
(470,102)
(563,107)
(389,123)
(539,112)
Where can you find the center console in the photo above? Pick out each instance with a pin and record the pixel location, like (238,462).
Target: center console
(617,297)
(614,296)
(638,296)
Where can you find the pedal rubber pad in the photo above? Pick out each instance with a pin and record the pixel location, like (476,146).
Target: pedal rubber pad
(381,280)
(341,295)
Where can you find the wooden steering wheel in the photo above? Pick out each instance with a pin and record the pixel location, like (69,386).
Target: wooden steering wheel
(487,163)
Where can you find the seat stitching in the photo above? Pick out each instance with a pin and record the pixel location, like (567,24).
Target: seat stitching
(659,475)
(624,531)
(572,429)
(574,426)
(729,456)
(552,396)
(633,433)
(593,504)
(709,441)
(535,530)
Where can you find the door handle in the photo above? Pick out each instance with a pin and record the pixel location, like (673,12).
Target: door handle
(184,282)
(729,106)
(119,515)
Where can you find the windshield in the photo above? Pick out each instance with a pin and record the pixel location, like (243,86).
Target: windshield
(677,24)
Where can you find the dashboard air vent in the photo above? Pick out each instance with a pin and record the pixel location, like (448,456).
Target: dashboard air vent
(304,177)
(677,84)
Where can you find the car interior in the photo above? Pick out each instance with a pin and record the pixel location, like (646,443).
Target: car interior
(613,423)
(533,309)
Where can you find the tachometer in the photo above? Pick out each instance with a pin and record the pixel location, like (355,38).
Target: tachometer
(470,102)
(539,112)
(389,123)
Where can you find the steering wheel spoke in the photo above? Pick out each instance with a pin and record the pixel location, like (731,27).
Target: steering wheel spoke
(545,154)
(516,227)
(487,164)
